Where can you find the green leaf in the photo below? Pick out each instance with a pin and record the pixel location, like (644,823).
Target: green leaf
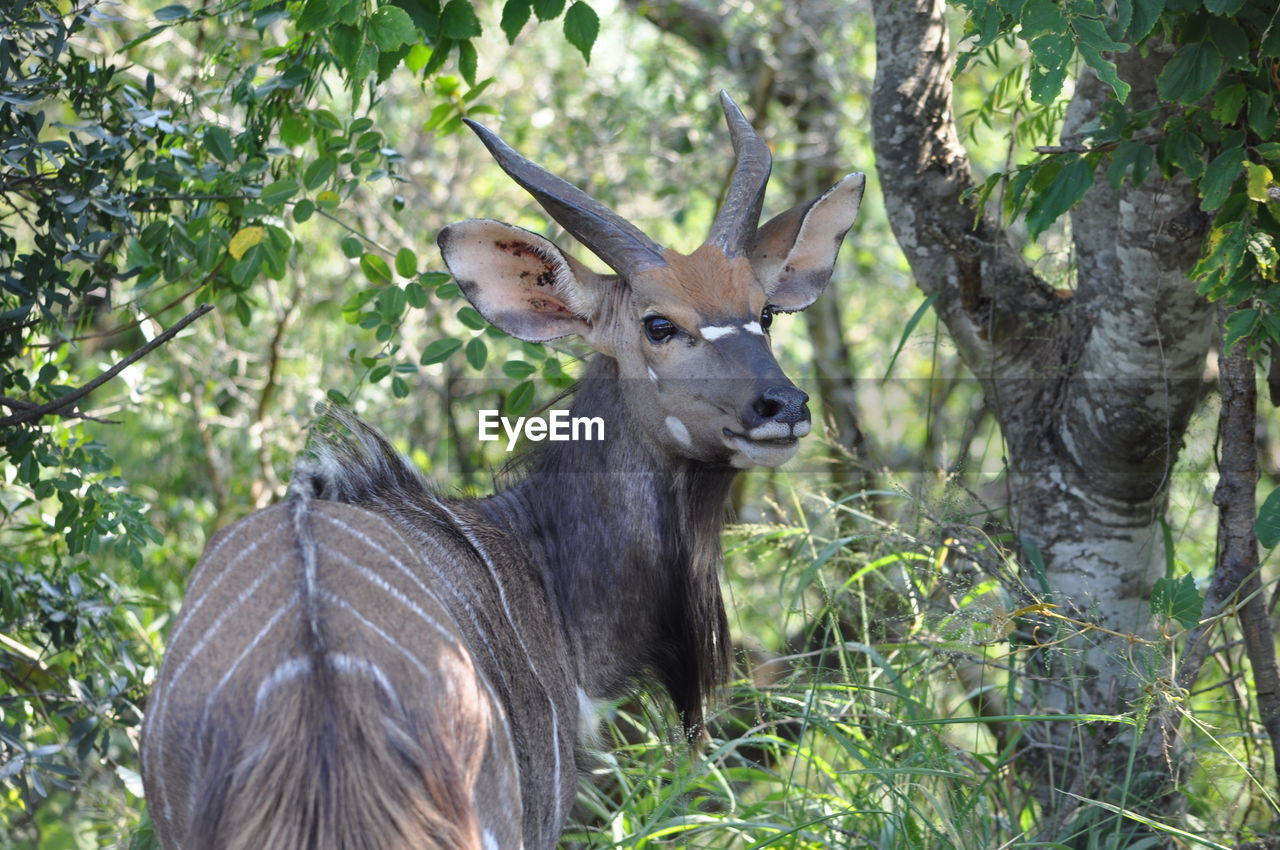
(391,303)
(1184,149)
(278,192)
(1040,17)
(1257,182)
(434,278)
(355,303)
(303,210)
(406,262)
(515,14)
(1269,150)
(338,397)
(173,12)
(390,27)
(352,247)
(581,26)
(471,318)
(416,294)
(1177,599)
(458,20)
(1262,113)
(1068,187)
(439,113)
(418,57)
(467,61)
(1129,155)
(1268,525)
(1191,73)
(1052,54)
(217,140)
(375,268)
(439,351)
(317,14)
(319,172)
(477,352)
(347,44)
(1239,325)
(439,54)
(1219,177)
(1093,42)
(1227,102)
(1145,15)
(1263,248)
(294,130)
(1231,41)
(1224,7)
(548,9)
(518,369)
(379,372)
(519,399)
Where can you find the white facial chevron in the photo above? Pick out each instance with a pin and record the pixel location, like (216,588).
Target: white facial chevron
(711,333)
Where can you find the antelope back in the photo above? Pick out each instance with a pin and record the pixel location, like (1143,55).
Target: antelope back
(318,692)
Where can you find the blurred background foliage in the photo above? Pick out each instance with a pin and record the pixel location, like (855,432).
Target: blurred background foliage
(290,163)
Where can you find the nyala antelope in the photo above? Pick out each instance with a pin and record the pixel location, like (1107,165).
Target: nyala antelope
(371,664)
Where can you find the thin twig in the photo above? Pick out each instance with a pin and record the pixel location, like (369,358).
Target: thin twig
(19,404)
(31,414)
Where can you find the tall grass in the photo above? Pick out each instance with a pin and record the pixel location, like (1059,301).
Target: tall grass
(867,725)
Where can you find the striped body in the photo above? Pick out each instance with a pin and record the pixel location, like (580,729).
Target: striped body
(404,674)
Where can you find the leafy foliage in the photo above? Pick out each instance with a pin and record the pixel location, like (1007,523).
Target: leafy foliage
(1217,125)
(128,188)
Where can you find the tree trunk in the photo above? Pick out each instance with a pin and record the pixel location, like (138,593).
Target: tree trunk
(1092,391)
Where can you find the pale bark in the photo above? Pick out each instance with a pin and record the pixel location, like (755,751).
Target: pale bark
(1092,391)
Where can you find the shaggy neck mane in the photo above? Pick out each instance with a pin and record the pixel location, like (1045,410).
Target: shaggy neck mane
(625,539)
(631,548)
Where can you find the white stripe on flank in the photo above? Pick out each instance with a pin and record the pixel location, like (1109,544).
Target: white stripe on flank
(753,328)
(161,712)
(506,608)
(291,669)
(431,594)
(711,333)
(329,597)
(427,591)
(226,570)
(342,663)
(394,592)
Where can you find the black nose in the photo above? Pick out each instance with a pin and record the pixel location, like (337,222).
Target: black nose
(785,404)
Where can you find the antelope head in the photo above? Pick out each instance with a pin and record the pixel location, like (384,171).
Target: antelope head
(689,332)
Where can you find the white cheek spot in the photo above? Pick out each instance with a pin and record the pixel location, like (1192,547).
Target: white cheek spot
(677,429)
(653,376)
(711,333)
(753,328)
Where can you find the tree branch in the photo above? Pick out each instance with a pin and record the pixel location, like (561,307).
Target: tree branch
(58,405)
(986,291)
(1237,542)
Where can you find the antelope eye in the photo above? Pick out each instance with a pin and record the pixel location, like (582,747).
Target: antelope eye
(766,317)
(658,329)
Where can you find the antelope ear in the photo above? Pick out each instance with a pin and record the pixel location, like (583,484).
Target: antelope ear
(795,251)
(522,283)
